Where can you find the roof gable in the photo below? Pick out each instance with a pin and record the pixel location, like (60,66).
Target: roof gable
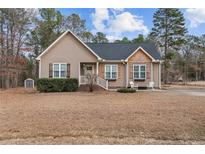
(62,36)
(140,49)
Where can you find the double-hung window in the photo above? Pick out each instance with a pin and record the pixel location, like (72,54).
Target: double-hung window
(111,72)
(139,71)
(59,70)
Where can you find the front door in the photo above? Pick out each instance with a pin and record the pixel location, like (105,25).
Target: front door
(88,69)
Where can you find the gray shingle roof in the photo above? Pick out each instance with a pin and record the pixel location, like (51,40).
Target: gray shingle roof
(119,51)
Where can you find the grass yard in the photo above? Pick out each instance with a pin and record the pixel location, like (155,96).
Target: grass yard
(28,117)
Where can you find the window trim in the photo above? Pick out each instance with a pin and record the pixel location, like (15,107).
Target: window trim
(139,71)
(59,66)
(111,71)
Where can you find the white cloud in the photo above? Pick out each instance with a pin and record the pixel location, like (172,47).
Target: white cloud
(117,22)
(126,22)
(99,17)
(195,16)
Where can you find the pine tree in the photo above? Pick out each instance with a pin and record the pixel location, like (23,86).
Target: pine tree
(169,32)
(139,39)
(75,24)
(100,38)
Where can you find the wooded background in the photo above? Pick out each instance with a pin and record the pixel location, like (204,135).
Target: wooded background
(25,33)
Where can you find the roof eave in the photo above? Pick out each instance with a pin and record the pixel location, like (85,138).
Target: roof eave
(107,60)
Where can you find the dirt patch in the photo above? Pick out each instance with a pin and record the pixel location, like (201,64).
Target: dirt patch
(29,117)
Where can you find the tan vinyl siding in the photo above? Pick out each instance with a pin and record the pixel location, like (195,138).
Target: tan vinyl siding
(67,50)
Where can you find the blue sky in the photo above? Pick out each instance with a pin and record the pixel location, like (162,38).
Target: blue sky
(117,23)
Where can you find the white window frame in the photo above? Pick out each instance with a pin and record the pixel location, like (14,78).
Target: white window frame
(59,66)
(139,65)
(111,65)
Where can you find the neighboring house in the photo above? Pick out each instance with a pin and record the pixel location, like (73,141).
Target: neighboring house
(114,64)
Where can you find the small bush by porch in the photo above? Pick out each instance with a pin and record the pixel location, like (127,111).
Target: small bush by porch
(126,90)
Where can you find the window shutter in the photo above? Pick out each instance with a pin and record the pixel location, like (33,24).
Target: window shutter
(50,70)
(68,70)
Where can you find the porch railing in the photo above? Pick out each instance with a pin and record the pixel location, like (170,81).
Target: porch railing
(102,82)
(99,81)
(83,80)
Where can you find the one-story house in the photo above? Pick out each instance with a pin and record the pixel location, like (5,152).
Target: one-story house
(114,64)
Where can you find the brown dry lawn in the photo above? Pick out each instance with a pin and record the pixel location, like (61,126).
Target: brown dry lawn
(28,117)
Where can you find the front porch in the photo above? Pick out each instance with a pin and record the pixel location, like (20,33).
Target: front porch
(89,72)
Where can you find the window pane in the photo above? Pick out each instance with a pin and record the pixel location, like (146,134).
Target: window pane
(114,71)
(136,68)
(56,67)
(136,75)
(142,68)
(63,67)
(107,75)
(56,70)
(142,75)
(107,68)
(63,70)
(114,68)
(107,71)
(136,72)
(56,74)
(114,75)
(63,73)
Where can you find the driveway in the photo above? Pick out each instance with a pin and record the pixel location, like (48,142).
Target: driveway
(191,92)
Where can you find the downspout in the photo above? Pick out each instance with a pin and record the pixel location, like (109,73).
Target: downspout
(97,72)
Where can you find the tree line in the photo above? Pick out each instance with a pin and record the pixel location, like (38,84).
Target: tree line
(26,33)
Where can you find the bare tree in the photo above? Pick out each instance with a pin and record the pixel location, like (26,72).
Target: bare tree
(14,25)
(91,81)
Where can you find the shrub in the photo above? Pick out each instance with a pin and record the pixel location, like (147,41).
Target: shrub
(57,85)
(126,90)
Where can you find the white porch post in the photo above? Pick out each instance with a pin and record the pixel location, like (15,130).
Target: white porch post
(97,72)
(126,74)
(151,71)
(97,66)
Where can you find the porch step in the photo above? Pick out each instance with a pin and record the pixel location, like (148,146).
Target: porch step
(86,88)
